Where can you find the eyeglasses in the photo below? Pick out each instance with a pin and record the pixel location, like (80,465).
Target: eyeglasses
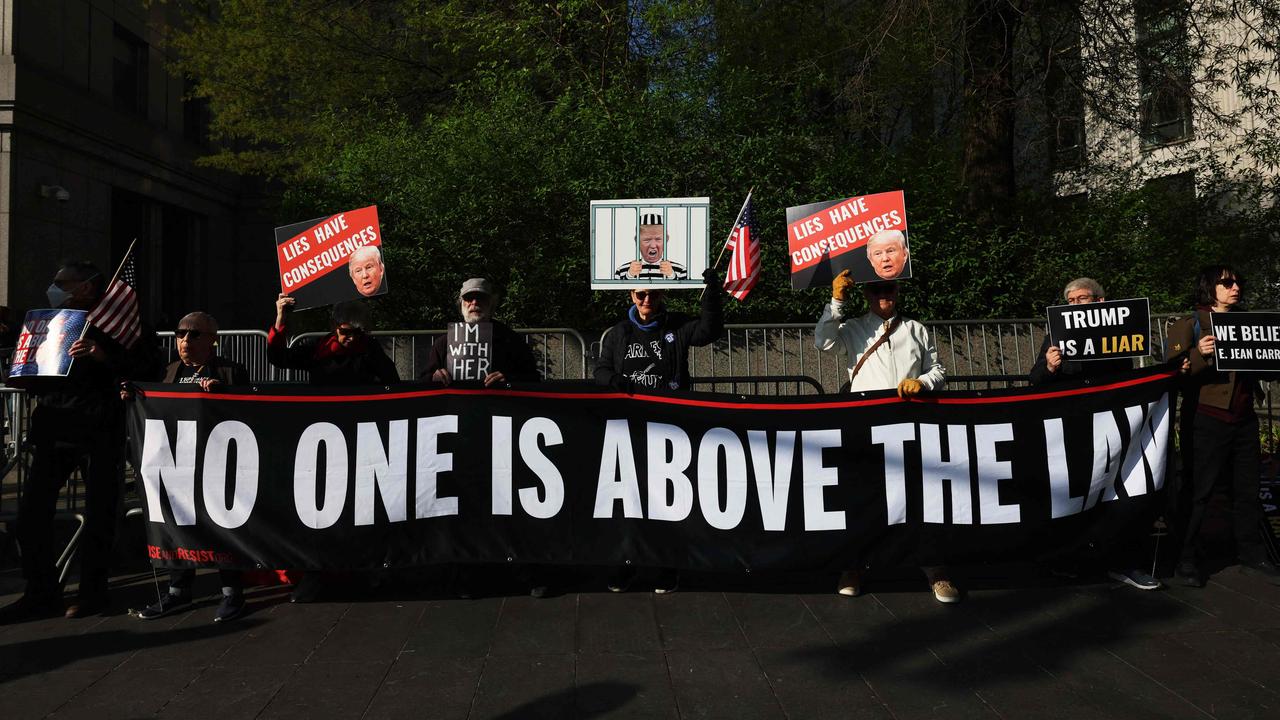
(352,331)
(188,333)
(641,295)
(1080,299)
(474,297)
(1229,283)
(882,289)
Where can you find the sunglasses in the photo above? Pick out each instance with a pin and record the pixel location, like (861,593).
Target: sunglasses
(188,333)
(1229,283)
(352,331)
(642,294)
(887,289)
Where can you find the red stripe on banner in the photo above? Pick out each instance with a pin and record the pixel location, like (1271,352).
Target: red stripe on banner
(686,402)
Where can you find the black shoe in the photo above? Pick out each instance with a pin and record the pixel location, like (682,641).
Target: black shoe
(169,603)
(231,607)
(87,606)
(31,607)
(1263,570)
(539,591)
(1188,573)
(308,588)
(668,581)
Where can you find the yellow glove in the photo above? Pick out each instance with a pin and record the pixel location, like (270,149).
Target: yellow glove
(841,286)
(909,388)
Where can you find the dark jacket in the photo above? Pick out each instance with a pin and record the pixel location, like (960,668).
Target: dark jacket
(1074,369)
(511,355)
(227,371)
(627,349)
(1204,384)
(87,402)
(328,362)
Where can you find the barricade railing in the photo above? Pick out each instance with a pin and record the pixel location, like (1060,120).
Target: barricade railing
(247,347)
(560,353)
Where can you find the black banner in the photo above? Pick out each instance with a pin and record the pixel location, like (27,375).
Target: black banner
(289,477)
(1101,330)
(1248,341)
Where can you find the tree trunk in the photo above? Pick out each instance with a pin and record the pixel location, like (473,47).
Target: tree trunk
(988,173)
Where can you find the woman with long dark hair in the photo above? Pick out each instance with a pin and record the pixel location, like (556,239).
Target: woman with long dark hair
(1219,432)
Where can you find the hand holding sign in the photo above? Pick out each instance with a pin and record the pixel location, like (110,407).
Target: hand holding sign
(1206,346)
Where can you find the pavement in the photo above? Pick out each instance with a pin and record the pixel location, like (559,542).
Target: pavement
(1023,644)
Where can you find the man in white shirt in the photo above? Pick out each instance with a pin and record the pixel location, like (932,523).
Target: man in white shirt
(886,351)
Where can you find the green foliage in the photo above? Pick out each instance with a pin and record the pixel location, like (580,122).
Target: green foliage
(482,130)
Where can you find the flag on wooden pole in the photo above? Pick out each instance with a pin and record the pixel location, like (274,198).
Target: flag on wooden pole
(116,313)
(744,264)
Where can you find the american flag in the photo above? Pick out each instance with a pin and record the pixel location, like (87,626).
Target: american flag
(744,264)
(117,312)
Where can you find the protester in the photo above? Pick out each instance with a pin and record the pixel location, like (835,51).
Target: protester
(651,265)
(648,352)
(887,351)
(197,363)
(346,356)
(887,253)
(79,423)
(513,361)
(1218,433)
(1050,367)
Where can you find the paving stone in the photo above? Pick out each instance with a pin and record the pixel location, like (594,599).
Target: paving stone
(537,686)
(697,621)
(1214,689)
(38,694)
(285,636)
(776,621)
(327,689)
(373,632)
(809,687)
(445,686)
(617,622)
(530,626)
(455,628)
(624,685)
(725,683)
(127,695)
(228,693)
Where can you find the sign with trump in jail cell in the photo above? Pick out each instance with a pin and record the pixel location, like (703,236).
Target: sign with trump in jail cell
(656,242)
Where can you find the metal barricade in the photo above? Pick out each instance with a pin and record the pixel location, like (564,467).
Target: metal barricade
(247,347)
(560,353)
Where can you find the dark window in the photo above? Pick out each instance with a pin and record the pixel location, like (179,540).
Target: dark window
(1164,71)
(129,72)
(195,115)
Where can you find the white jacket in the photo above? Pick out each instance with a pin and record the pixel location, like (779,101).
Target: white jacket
(908,353)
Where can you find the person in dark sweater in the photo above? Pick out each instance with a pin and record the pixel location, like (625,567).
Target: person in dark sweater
(513,361)
(1125,553)
(78,422)
(649,352)
(1050,366)
(346,356)
(198,364)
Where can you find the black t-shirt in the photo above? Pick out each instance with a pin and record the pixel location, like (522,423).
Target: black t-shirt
(191,373)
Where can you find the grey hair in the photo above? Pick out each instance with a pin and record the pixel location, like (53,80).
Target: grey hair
(354,313)
(1084,283)
(204,317)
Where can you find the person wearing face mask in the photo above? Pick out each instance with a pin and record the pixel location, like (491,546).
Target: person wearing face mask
(198,364)
(513,361)
(346,356)
(1218,431)
(77,423)
(887,352)
(649,352)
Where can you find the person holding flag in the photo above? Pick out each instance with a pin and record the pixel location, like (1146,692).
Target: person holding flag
(78,422)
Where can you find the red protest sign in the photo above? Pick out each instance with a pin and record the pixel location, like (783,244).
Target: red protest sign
(866,235)
(332,259)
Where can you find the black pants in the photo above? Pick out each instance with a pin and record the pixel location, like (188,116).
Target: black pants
(99,460)
(1222,452)
(180,579)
